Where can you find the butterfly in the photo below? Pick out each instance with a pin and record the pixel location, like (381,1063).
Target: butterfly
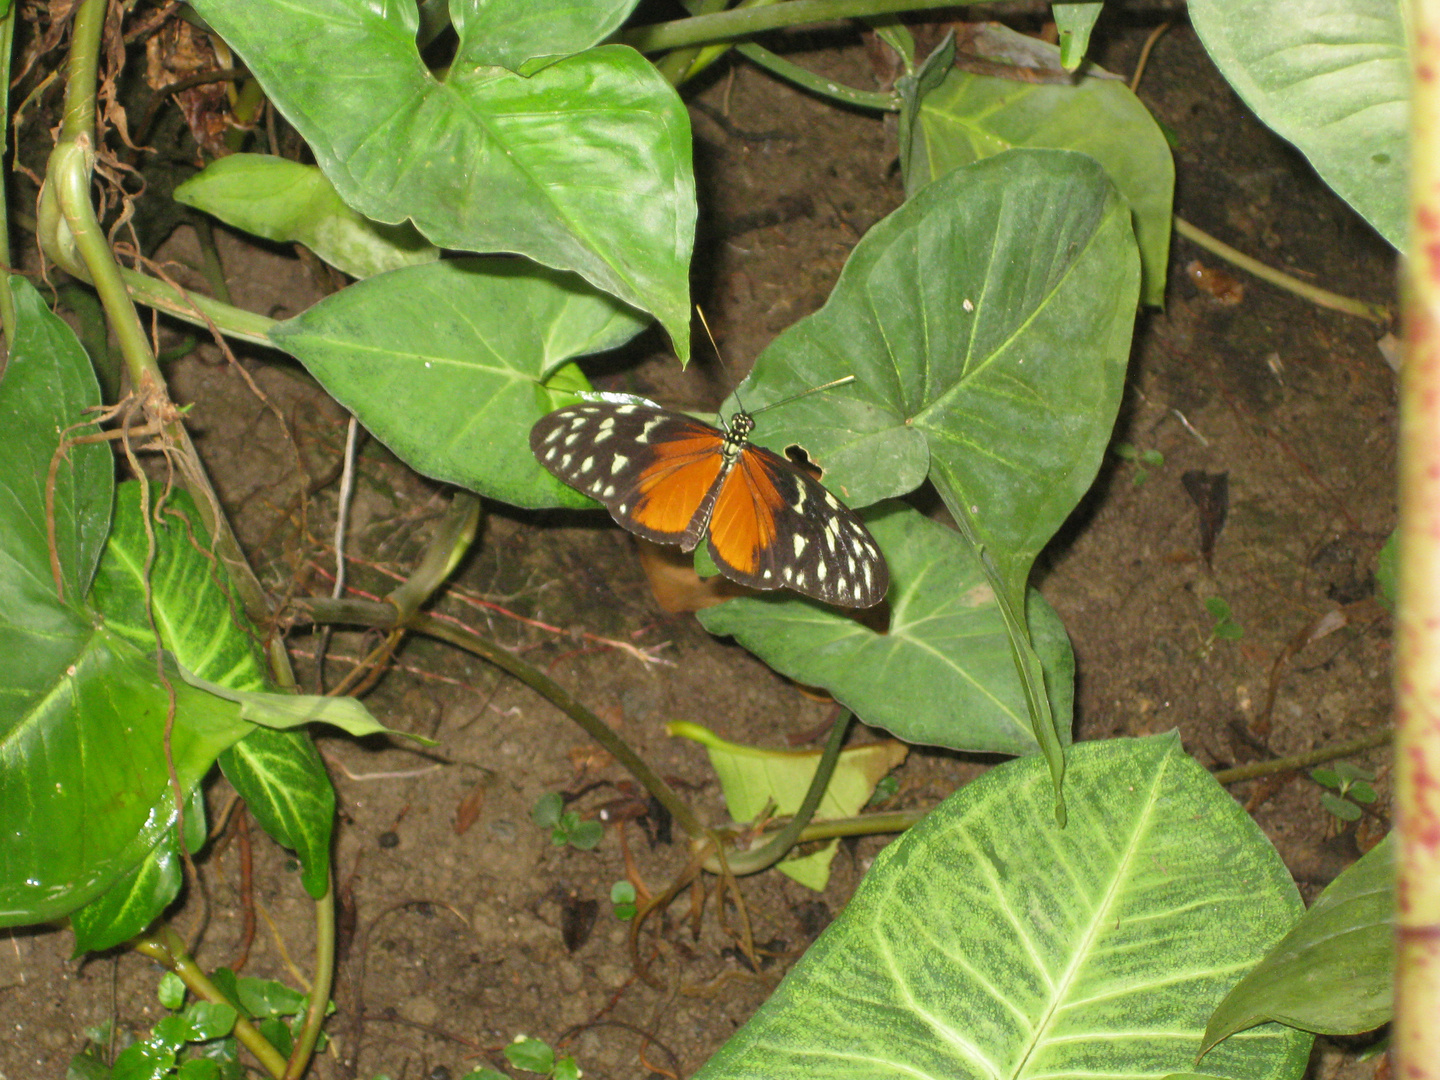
(676,480)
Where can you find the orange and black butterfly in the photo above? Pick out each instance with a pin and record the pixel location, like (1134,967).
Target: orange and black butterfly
(675,480)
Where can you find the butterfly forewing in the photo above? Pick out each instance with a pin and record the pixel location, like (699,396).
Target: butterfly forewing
(651,468)
(805,539)
(666,477)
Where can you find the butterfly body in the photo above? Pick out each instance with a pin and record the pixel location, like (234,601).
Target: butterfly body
(674,480)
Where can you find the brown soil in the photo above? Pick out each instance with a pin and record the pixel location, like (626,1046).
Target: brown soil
(458,942)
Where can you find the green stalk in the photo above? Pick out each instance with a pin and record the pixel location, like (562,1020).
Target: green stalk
(320,984)
(779,843)
(685,64)
(1415,1032)
(70,234)
(743,22)
(883,101)
(165,948)
(199,310)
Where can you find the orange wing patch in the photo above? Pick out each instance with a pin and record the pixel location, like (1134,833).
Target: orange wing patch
(673,486)
(742,526)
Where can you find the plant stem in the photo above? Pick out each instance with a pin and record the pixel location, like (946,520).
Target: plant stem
(776,846)
(1304,761)
(164,946)
(682,64)
(195,308)
(384,616)
(70,234)
(1376,313)
(742,22)
(1417,676)
(818,84)
(320,984)
(893,821)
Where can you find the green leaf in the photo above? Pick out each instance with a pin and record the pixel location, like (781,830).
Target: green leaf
(171,991)
(280,776)
(1074,21)
(1333,77)
(199,1069)
(83,812)
(506,33)
(566,1069)
(1343,809)
(285,201)
(142,1061)
(986,942)
(48,384)
(1352,771)
(941,672)
(532,1055)
(292,710)
(87,1065)
(141,896)
(1228,631)
(584,166)
(971,117)
(1361,792)
(987,323)
(464,344)
(1328,777)
(268,998)
(622,892)
(547,810)
(585,835)
(1218,608)
(189,591)
(753,778)
(913,88)
(277,1034)
(84,782)
(1332,973)
(209,1020)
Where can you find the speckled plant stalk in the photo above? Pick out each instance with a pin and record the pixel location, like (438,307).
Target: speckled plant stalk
(1417,743)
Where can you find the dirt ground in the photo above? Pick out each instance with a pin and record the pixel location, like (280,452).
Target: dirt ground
(457,941)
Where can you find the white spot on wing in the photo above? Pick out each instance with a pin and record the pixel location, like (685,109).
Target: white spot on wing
(617,463)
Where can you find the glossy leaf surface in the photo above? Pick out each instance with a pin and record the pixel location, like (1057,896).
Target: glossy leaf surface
(583,166)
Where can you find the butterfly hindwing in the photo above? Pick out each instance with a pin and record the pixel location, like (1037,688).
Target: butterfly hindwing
(774,526)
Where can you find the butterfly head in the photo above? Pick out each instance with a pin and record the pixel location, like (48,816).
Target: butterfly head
(737,433)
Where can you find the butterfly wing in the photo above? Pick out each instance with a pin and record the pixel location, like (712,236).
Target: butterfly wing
(652,469)
(773,526)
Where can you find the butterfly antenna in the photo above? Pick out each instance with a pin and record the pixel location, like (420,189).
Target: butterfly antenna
(783,401)
(718,355)
(805,393)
